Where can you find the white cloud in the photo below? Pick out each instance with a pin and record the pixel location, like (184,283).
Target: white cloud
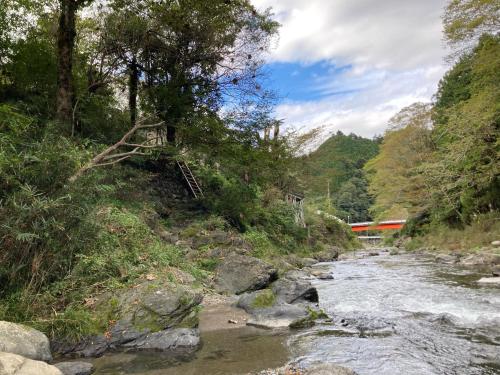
(395,49)
(382,34)
(366,111)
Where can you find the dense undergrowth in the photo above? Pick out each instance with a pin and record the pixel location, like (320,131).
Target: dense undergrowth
(476,236)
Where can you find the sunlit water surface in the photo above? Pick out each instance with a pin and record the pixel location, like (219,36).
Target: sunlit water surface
(405,315)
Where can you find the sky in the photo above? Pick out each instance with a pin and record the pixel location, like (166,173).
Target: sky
(350,65)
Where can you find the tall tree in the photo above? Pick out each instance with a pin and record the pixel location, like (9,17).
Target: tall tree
(466,168)
(187,69)
(399,189)
(66,34)
(466,20)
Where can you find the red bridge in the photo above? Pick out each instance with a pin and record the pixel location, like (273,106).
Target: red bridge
(383,225)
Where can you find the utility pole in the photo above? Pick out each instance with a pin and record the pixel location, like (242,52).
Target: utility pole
(328,195)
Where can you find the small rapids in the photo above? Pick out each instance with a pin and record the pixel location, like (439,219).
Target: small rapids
(404,315)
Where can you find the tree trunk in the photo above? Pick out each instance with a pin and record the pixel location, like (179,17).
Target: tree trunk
(66,34)
(133,90)
(171,134)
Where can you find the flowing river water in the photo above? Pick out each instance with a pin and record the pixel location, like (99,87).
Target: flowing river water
(401,314)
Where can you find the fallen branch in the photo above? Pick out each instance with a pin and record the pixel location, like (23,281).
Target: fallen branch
(111,155)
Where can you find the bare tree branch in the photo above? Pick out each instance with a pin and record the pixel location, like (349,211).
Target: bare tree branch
(106,157)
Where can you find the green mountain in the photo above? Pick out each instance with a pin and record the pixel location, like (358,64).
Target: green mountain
(338,165)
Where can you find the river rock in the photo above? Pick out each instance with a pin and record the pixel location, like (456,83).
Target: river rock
(373,253)
(495,270)
(24,341)
(328,255)
(294,290)
(75,368)
(269,311)
(321,369)
(13,364)
(238,274)
(147,308)
(298,275)
(446,258)
(482,259)
(489,280)
(344,257)
(308,262)
(277,316)
(328,369)
(172,340)
(322,275)
(153,307)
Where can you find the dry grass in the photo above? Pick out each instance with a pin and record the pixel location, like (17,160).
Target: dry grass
(479,234)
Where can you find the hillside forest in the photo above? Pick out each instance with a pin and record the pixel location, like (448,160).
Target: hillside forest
(96,112)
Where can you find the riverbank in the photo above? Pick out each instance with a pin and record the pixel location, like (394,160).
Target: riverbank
(409,288)
(481,259)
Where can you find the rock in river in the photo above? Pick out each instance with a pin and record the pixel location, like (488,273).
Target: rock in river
(289,302)
(172,340)
(489,280)
(328,369)
(147,312)
(238,274)
(13,364)
(75,368)
(25,341)
(328,255)
(291,290)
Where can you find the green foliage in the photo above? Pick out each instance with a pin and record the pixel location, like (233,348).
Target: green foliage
(466,165)
(478,235)
(352,199)
(465,21)
(264,298)
(395,179)
(229,197)
(448,175)
(338,164)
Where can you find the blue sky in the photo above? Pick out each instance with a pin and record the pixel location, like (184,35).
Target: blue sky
(350,65)
(306,82)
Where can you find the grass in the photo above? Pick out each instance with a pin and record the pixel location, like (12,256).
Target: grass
(265,298)
(113,246)
(474,237)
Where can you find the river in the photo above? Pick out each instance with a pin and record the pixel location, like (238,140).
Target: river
(400,314)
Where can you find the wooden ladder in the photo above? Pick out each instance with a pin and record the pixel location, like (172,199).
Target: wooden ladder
(189,177)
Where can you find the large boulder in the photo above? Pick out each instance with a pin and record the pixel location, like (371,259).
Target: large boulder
(75,368)
(329,255)
(13,364)
(238,274)
(291,290)
(151,307)
(148,308)
(24,341)
(268,312)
